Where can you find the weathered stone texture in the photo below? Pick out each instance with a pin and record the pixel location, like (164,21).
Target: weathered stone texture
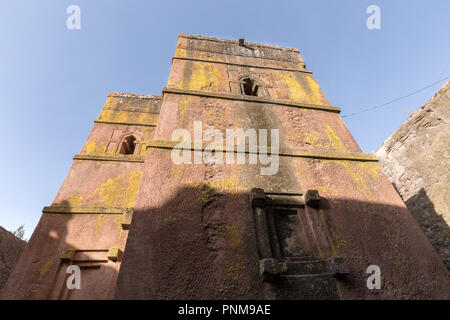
(191,230)
(87,217)
(416,159)
(11,248)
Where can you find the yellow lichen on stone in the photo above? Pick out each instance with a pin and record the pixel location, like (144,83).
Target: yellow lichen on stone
(234,235)
(134,180)
(300,171)
(128,116)
(110,191)
(207,194)
(118,219)
(99,223)
(326,190)
(314,88)
(337,240)
(75,200)
(229,184)
(67,254)
(201,76)
(176,173)
(91,147)
(94,148)
(119,191)
(295,90)
(311,137)
(358,176)
(335,141)
(183,53)
(183,106)
(180,52)
(208,190)
(234,271)
(44,269)
(372,169)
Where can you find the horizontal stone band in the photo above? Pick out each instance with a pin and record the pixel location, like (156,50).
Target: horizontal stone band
(108,158)
(63,209)
(126,123)
(326,155)
(251,99)
(241,64)
(260,45)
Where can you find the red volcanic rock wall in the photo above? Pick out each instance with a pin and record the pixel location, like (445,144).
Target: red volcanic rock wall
(11,248)
(194,234)
(141,226)
(87,223)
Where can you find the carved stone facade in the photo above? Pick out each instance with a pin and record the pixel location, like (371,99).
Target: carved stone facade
(11,248)
(143,227)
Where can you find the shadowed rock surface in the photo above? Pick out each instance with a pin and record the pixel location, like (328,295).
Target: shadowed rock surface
(11,248)
(416,159)
(141,225)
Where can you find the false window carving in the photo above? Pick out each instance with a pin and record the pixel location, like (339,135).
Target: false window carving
(292,232)
(249,87)
(128,145)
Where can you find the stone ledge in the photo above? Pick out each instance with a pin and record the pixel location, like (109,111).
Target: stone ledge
(109,158)
(63,209)
(134,95)
(126,123)
(251,99)
(261,45)
(119,109)
(326,155)
(85,258)
(241,64)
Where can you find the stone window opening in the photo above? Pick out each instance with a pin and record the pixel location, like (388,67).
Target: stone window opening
(128,145)
(249,87)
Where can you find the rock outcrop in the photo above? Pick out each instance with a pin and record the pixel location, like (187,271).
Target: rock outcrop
(11,248)
(416,159)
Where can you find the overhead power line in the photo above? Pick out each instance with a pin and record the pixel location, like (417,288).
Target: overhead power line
(394,100)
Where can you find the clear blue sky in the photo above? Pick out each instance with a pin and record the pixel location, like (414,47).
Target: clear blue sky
(54,81)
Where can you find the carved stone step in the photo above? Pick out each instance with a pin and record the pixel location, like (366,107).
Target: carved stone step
(305,267)
(306,287)
(270,269)
(301,258)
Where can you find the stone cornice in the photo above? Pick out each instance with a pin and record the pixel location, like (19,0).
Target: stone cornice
(134,96)
(261,45)
(241,64)
(126,123)
(320,154)
(128,110)
(109,158)
(63,209)
(229,96)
